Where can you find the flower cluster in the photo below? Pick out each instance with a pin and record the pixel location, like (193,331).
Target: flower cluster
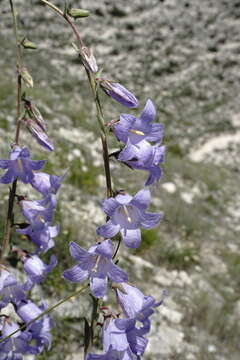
(124,338)
(124,334)
(39,231)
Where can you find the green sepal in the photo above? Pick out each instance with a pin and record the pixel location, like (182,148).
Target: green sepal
(27,44)
(78,13)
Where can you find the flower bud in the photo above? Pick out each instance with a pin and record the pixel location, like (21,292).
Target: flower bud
(34,113)
(27,44)
(118,93)
(78,13)
(38,133)
(88,59)
(27,78)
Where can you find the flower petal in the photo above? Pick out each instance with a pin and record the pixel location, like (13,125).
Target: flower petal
(8,177)
(142,199)
(4,164)
(156,133)
(75,274)
(155,174)
(131,238)
(77,252)
(149,111)
(98,286)
(150,220)
(121,129)
(105,249)
(108,230)
(116,274)
(37,164)
(109,206)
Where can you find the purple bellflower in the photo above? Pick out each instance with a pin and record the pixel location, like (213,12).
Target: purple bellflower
(20,166)
(36,210)
(45,183)
(95,264)
(132,129)
(127,214)
(40,329)
(144,156)
(41,234)
(122,340)
(35,268)
(118,93)
(137,305)
(17,345)
(10,290)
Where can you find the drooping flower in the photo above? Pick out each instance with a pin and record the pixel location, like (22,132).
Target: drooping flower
(41,328)
(144,156)
(45,183)
(95,264)
(132,129)
(127,214)
(20,166)
(36,210)
(10,289)
(35,268)
(18,344)
(122,340)
(119,93)
(41,233)
(137,305)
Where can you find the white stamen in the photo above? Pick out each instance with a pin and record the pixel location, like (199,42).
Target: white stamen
(137,132)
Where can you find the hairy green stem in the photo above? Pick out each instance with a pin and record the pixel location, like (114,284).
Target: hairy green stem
(47,311)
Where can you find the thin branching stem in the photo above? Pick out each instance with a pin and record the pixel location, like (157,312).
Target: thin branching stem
(47,311)
(93,86)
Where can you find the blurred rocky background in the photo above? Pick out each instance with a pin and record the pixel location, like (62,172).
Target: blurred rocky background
(185,56)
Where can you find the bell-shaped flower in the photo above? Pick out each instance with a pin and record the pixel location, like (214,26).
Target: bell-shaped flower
(137,305)
(133,130)
(41,234)
(119,93)
(18,344)
(10,290)
(95,264)
(35,268)
(122,340)
(41,328)
(127,214)
(144,156)
(45,183)
(41,210)
(20,166)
